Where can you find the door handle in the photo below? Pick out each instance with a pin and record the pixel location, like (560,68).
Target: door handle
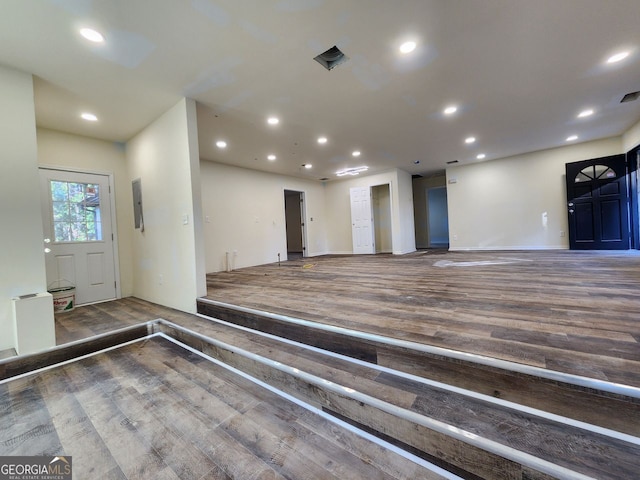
(571,210)
(571,204)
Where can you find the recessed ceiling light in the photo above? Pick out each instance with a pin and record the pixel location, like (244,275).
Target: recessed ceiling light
(89,117)
(273,120)
(481,156)
(450,110)
(585,113)
(356,153)
(92,35)
(271,157)
(408,47)
(470,140)
(572,138)
(618,57)
(322,140)
(221,144)
(307,165)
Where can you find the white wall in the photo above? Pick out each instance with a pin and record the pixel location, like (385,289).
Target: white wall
(338,207)
(245,215)
(168,255)
(500,204)
(631,138)
(57,149)
(21,237)
(403,215)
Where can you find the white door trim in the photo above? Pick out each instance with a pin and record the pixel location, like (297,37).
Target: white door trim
(114,224)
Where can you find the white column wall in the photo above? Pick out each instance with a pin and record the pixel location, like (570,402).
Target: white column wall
(338,207)
(167,253)
(21,238)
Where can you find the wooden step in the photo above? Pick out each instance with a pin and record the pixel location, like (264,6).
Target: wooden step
(470,434)
(593,401)
(465,432)
(152,409)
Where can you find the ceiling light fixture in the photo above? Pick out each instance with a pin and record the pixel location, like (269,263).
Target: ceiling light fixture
(351,171)
(307,165)
(356,153)
(481,156)
(618,57)
(273,120)
(408,47)
(322,140)
(271,157)
(221,144)
(585,113)
(469,140)
(572,138)
(450,110)
(92,35)
(89,117)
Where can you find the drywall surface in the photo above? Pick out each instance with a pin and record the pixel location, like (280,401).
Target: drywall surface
(338,207)
(517,202)
(631,138)
(21,237)
(244,215)
(74,152)
(165,252)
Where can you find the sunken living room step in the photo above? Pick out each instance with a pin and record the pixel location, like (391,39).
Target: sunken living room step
(584,399)
(472,435)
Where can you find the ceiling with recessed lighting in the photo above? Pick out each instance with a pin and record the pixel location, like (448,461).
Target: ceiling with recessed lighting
(418,78)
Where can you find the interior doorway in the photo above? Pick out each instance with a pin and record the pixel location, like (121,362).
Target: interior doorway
(437,217)
(295,224)
(381,207)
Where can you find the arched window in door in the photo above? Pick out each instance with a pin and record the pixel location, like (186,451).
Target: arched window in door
(593,172)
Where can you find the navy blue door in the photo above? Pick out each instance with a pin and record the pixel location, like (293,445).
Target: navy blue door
(598,204)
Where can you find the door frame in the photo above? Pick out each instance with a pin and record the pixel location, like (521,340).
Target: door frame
(374,224)
(446,212)
(303,219)
(627,229)
(633,168)
(114,223)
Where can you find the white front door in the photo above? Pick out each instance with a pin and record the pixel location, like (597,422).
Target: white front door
(362,220)
(78,235)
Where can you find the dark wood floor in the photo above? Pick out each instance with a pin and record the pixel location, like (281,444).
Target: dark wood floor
(570,311)
(152,410)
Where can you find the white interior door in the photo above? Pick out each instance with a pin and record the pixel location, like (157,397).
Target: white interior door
(78,235)
(362,220)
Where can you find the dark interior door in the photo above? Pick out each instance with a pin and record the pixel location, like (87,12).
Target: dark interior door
(598,205)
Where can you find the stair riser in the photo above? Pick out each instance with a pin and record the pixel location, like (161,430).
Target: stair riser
(390,421)
(605,409)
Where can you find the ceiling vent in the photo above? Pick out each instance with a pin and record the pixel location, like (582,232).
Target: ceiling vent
(630,97)
(331,58)
(452,162)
